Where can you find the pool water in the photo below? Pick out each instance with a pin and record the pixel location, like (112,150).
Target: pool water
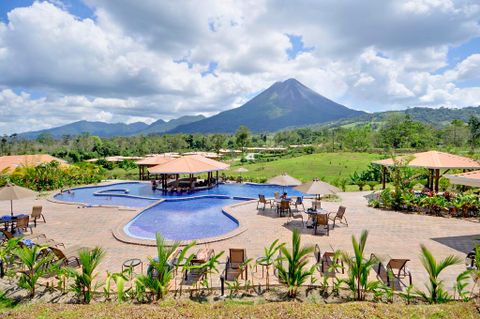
(187,219)
(185,216)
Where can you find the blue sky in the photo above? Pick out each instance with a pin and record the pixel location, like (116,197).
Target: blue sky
(126,60)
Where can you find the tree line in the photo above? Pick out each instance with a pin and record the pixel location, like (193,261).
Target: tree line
(399,131)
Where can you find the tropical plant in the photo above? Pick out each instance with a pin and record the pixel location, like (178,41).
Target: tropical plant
(35,259)
(83,279)
(163,272)
(461,284)
(7,253)
(296,272)
(475,270)
(359,267)
(407,295)
(268,259)
(435,291)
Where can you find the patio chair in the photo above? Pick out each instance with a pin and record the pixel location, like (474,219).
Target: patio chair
(321,221)
(339,215)
(234,265)
(201,257)
(326,260)
(37,214)
(22,223)
(295,215)
(264,201)
(299,202)
(395,270)
(284,207)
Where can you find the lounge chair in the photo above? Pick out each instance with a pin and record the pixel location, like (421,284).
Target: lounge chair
(68,257)
(264,201)
(234,266)
(38,239)
(37,214)
(326,260)
(395,270)
(339,215)
(284,207)
(321,221)
(299,202)
(201,257)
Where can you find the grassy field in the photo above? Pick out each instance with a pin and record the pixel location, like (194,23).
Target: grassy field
(326,166)
(237,310)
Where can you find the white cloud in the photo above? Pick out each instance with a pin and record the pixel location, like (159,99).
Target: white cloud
(119,65)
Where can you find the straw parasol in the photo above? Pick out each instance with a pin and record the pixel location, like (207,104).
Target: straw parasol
(12,192)
(317,187)
(284,180)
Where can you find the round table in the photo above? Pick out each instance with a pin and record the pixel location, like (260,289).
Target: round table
(132,264)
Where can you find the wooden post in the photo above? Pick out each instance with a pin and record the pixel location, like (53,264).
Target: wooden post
(216,182)
(437,177)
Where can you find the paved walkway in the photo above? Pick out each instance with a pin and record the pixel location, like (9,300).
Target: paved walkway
(396,234)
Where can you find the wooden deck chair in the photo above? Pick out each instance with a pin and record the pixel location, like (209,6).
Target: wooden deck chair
(264,201)
(23,223)
(284,208)
(394,271)
(37,214)
(234,265)
(321,221)
(339,215)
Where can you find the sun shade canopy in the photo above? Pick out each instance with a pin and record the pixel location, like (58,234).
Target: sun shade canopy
(11,162)
(467,179)
(317,187)
(155,160)
(284,180)
(193,164)
(434,160)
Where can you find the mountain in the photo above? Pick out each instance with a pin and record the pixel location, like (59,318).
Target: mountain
(284,104)
(438,116)
(94,128)
(161,126)
(116,129)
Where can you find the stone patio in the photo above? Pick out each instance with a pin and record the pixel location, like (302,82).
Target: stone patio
(396,234)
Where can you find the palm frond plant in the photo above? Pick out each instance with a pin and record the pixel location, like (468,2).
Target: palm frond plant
(435,290)
(7,254)
(35,259)
(211,266)
(83,279)
(162,269)
(359,267)
(295,272)
(408,295)
(268,259)
(460,286)
(475,271)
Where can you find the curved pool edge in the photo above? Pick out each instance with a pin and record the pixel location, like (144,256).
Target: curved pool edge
(119,233)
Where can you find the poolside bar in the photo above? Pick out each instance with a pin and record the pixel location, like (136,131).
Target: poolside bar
(190,165)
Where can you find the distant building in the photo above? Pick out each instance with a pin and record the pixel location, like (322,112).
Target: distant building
(10,163)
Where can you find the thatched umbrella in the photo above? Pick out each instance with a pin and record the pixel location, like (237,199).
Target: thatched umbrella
(284,180)
(12,192)
(318,188)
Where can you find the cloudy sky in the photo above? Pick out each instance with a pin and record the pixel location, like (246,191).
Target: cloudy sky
(127,60)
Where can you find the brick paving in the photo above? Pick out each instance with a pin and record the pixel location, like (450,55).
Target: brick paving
(396,234)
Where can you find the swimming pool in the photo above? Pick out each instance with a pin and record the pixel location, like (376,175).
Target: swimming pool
(187,216)
(186,219)
(140,194)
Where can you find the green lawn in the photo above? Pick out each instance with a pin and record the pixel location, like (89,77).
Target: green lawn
(326,166)
(223,310)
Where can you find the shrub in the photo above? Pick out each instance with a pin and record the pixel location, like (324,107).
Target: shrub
(89,261)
